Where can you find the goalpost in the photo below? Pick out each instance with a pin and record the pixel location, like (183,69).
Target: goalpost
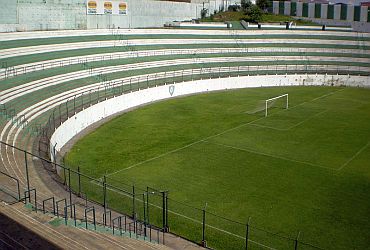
(272,100)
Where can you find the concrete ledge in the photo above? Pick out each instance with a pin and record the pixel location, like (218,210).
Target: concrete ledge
(102,110)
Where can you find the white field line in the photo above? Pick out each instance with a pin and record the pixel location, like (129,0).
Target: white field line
(270,155)
(20,51)
(291,127)
(354,156)
(186,217)
(212,136)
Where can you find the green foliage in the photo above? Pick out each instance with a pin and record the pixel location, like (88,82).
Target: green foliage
(263,4)
(203,13)
(245,4)
(254,13)
(300,169)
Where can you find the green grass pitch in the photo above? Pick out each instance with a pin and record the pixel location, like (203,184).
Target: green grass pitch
(303,169)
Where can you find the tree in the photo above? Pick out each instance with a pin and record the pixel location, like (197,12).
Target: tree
(245,4)
(203,13)
(263,4)
(255,13)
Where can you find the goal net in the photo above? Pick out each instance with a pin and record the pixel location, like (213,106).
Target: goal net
(278,101)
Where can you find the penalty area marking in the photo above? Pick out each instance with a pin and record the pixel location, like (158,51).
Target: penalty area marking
(212,136)
(354,156)
(293,126)
(270,155)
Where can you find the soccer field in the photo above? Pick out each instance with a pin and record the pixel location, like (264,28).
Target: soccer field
(303,169)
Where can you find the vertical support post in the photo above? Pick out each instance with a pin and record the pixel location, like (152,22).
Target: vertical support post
(247,234)
(79,181)
(167,227)
(54,120)
(94,218)
(74,104)
(204,243)
(287,101)
(144,214)
(105,200)
(133,202)
(147,205)
(70,189)
(296,241)
(67,109)
(163,210)
(60,114)
(27,175)
(64,172)
(265,108)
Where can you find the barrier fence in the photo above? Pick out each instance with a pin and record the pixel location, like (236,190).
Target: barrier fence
(92,213)
(8,71)
(149,206)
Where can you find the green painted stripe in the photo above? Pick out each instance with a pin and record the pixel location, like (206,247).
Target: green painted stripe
(76,39)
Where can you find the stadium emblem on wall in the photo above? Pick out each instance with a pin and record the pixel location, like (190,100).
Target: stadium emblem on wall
(122,8)
(171,89)
(107,8)
(91,7)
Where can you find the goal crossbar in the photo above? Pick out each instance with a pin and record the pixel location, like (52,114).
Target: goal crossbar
(275,98)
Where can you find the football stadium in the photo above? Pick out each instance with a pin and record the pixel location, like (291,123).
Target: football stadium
(184,124)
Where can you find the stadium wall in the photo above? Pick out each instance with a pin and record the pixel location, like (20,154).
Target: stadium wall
(95,113)
(357,17)
(31,15)
(146,13)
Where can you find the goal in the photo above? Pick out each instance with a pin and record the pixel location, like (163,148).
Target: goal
(272,101)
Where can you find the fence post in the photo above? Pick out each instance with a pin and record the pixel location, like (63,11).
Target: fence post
(133,201)
(27,176)
(167,227)
(74,104)
(104,199)
(70,189)
(79,181)
(147,205)
(164,210)
(204,243)
(144,215)
(296,241)
(247,234)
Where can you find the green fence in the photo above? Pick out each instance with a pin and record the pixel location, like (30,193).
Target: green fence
(330,11)
(317,10)
(357,13)
(343,12)
(305,10)
(281,7)
(293,9)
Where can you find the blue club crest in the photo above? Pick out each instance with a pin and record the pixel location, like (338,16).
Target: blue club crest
(171,89)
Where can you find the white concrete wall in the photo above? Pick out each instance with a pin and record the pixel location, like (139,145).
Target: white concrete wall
(350,12)
(299,9)
(337,12)
(363,14)
(29,15)
(287,8)
(324,11)
(93,114)
(8,12)
(311,10)
(146,13)
(275,7)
